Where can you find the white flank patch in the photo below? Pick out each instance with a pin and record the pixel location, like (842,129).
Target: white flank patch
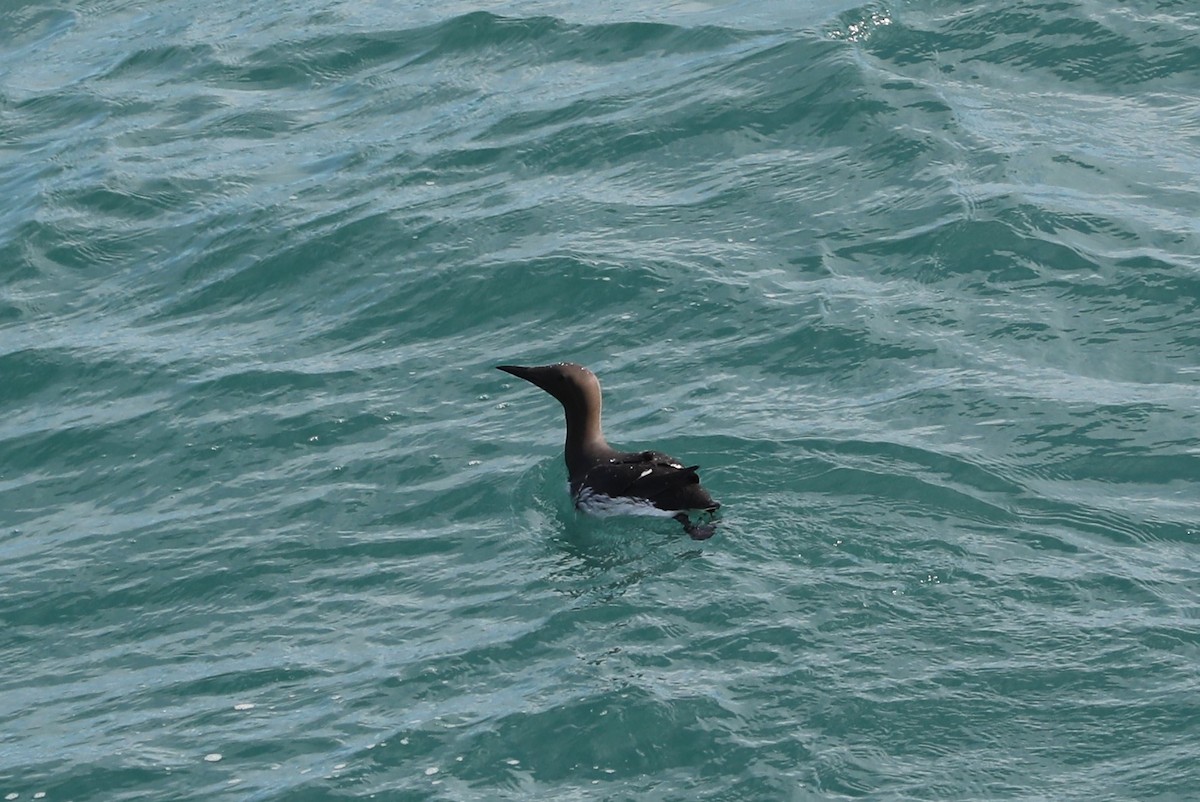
(603,506)
(646,472)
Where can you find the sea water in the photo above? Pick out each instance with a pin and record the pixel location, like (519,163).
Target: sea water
(915,283)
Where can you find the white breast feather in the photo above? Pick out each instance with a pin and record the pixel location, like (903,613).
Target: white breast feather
(603,506)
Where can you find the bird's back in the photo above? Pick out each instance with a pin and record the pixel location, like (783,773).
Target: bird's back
(647,476)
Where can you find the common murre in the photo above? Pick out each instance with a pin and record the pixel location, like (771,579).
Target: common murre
(605,481)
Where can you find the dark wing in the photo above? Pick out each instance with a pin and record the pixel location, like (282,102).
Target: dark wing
(655,476)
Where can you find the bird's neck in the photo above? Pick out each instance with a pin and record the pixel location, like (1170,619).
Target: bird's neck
(585,440)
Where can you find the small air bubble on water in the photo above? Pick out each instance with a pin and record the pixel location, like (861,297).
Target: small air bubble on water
(212,757)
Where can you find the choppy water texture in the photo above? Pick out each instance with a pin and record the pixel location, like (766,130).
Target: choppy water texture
(917,283)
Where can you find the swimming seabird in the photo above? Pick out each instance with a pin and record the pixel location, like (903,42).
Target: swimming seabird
(605,481)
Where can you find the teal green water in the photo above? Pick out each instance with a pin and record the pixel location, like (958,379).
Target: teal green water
(917,283)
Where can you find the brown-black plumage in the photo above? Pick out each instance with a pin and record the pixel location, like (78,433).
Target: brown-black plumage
(600,475)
